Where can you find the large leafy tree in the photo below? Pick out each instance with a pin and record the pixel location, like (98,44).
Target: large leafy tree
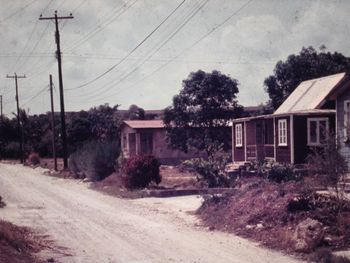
(201,112)
(135,113)
(308,64)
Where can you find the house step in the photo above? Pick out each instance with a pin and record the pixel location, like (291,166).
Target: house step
(234,167)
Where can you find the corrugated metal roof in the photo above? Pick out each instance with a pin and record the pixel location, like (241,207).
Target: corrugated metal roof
(145,124)
(309,94)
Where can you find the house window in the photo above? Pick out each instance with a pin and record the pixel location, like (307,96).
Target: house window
(239,135)
(282,132)
(146,140)
(317,129)
(346,120)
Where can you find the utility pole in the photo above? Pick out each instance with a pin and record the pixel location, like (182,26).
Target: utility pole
(1,107)
(18,117)
(59,60)
(53,126)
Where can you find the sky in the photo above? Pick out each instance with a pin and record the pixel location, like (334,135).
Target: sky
(138,51)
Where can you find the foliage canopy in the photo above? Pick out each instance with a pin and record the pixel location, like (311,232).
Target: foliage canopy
(201,112)
(308,64)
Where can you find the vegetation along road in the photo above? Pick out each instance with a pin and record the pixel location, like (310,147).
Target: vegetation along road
(87,226)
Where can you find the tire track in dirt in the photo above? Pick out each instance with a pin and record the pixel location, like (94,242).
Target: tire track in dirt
(94,227)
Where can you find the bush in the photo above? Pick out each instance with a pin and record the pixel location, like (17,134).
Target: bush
(94,160)
(211,171)
(2,203)
(33,159)
(324,255)
(329,167)
(282,173)
(11,150)
(140,170)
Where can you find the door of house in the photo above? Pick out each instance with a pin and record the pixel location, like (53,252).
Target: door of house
(132,144)
(146,139)
(260,135)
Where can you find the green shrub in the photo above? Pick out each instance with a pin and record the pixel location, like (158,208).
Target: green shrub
(282,173)
(94,160)
(11,150)
(329,167)
(33,159)
(324,255)
(140,170)
(211,171)
(2,203)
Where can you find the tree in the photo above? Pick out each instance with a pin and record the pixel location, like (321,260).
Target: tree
(79,129)
(308,64)
(135,113)
(105,122)
(200,114)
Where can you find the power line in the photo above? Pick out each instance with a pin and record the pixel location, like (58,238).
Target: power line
(111,18)
(30,36)
(162,44)
(196,42)
(36,95)
(18,11)
(186,49)
(35,46)
(82,2)
(132,51)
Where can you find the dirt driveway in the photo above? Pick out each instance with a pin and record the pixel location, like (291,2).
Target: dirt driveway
(88,226)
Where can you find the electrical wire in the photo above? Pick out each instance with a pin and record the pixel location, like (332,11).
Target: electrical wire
(82,2)
(195,43)
(30,37)
(18,11)
(35,46)
(132,51)
(184,50)
(110,19)
(186,21)
(36,95)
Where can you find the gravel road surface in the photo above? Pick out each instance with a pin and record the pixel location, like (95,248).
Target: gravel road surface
(88,226)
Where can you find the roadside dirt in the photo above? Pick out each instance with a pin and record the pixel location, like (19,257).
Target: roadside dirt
(88,226)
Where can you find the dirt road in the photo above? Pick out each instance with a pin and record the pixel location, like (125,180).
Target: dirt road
(87,226)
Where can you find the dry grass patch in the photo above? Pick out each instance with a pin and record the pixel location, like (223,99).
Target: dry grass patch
(269,213)
(17,244)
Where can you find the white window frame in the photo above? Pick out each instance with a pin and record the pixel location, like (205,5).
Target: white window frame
(346,127)
(282,132)
(239,135)
(317,120)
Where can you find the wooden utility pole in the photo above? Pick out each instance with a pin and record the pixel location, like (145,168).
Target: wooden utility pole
(59,60)
(21,151)
(1,107)
(53,126)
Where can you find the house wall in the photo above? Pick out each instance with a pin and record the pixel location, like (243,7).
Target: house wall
(251,140)
(283,152)
(344,146)
(301,149)
(258,140)
(124,140)
(238,152)
(160,148)
(168,155)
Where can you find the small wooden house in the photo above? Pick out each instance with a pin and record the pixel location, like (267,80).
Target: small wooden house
(149,137)
(341,96)
(301,122)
